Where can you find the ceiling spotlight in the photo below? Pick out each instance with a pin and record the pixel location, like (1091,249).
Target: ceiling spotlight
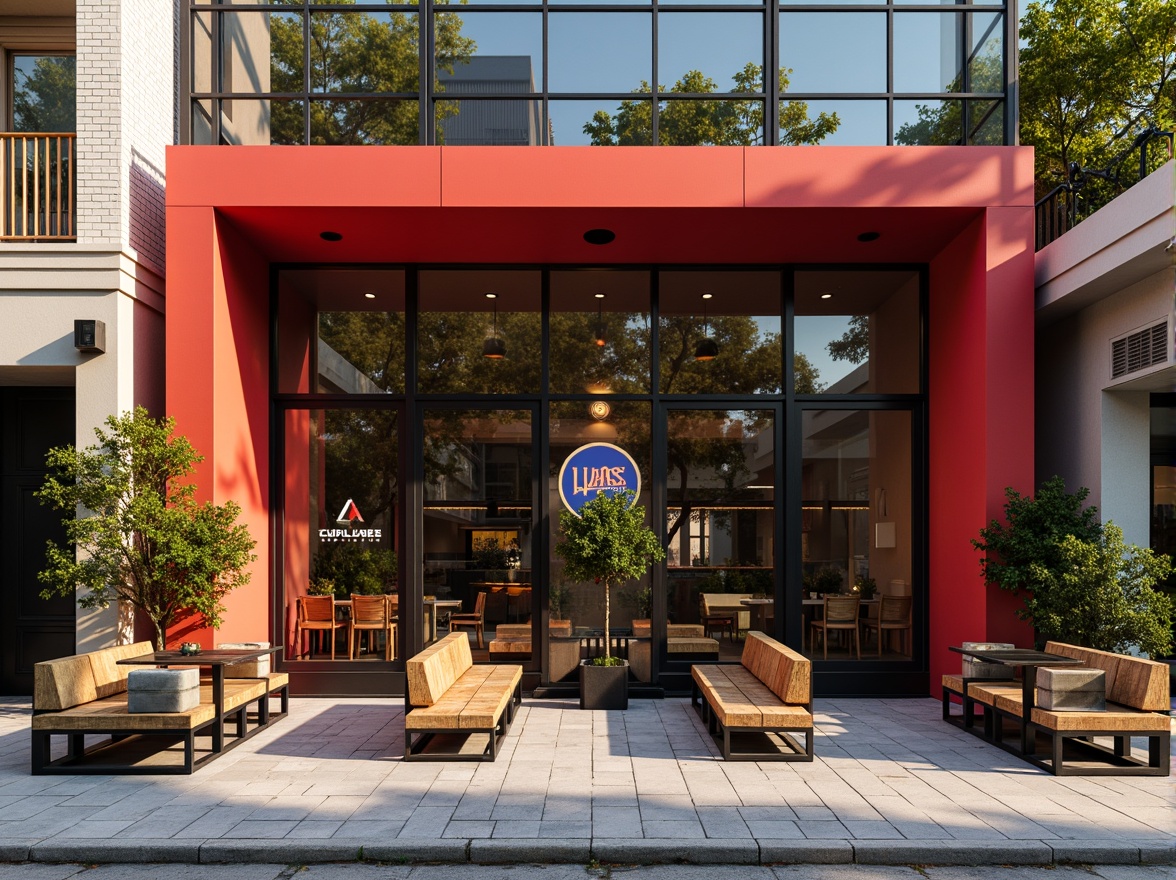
(599,236)
(494,347)
(869,236)
(600,340)
(328,235)
(707,349)
(826,296)
(369,296)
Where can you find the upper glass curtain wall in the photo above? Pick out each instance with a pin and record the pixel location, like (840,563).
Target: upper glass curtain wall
(560,72)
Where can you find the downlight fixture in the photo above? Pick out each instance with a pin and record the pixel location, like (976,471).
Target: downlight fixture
(494,347)
(869,236)
(707,349)
(600,340)
(329,235)
(599,236)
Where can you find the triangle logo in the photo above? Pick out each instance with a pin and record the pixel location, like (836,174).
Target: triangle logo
(349,515)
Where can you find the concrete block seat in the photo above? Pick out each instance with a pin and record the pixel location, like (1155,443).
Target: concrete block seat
(769,693)
(278,683)
(1136,704)
(448,695)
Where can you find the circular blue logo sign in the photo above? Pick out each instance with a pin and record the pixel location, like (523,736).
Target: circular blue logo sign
(596,468)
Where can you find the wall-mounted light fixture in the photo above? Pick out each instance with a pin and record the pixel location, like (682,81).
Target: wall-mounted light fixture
(494,347)
(707,349)
(90,336)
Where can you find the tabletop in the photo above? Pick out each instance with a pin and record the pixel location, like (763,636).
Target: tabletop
(204,658)
(1019,657)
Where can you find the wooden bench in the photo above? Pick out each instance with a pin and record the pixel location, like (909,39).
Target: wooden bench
(447,694)
(1137,692)
(86,694)
(769,693)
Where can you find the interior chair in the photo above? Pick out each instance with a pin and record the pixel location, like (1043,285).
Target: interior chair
(369,614)
(894,615)
(473,619)
(715,620)
(841,614)
(316,615)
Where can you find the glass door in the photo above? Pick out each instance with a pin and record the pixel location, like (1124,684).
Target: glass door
(722,525)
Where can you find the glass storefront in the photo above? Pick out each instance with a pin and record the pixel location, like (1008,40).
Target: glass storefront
(776,416)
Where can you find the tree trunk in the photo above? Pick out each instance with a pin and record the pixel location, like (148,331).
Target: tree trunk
(160,635)
(607,640)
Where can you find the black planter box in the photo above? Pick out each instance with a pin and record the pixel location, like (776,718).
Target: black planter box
(604,687)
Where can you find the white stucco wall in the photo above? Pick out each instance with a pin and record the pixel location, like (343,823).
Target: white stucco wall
(1110,276)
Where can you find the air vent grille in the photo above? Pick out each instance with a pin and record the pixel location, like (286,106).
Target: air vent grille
(1140,350)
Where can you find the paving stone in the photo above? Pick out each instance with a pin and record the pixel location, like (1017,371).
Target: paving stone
(495,872)
(688,872)
(185,872)
(1135,872)
(848,872)
(356,871)
(41,872)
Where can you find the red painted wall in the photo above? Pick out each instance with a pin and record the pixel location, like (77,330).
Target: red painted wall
(966,212)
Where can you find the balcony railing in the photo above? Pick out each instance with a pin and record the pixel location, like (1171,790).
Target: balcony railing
(1086,190)
(37,186)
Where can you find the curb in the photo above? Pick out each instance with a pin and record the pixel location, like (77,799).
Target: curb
(625,851)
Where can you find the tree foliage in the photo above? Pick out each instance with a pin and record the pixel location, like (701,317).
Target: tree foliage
(1080,583)
(854,344)
(707,122)
(1094,73)
(141,537)
(1102,594)
(608,543)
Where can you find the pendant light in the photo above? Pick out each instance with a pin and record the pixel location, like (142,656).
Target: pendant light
(600,340)
(494,347)
(707,349)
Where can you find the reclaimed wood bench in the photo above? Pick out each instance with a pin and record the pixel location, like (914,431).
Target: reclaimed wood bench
(86,695)
(1137,705)
(447,694)
(769,693)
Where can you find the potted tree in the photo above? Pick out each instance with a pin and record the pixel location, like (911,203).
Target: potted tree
(607,543)
(141,537)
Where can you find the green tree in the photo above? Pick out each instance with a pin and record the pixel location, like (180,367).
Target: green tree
(854,344)
(357,52)
(140,535)
(734,122)
(608,543)
(44,99)
(1019,553)
(1102,594)
(1093,73)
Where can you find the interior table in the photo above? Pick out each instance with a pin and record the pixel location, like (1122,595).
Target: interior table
(433,608)
(1028,660)
(759,612)
(216,661)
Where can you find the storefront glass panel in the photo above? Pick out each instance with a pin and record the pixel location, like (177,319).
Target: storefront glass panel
(720,332)
(340,562)
(721,525)
(576,610)
(479,332)
(857,332)
(856,520)
(477,530)
(600,327)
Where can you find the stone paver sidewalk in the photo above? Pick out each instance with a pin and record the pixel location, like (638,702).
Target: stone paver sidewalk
(891,784)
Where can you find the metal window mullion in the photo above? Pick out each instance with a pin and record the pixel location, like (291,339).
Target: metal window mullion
(426,64)
(1012,132)
(654,87)
(771,77)
(306,115)
(890,74)
(966,34)
(216,76)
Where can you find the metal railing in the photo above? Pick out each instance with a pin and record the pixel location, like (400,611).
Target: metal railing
(1086,189)
(37,186)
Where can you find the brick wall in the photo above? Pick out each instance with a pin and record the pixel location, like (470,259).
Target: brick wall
(127,56)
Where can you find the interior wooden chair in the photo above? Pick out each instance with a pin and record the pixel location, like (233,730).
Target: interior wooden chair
(841,613)
(370,614)
(471,619)
(715,620)
(316,614)
(894,615)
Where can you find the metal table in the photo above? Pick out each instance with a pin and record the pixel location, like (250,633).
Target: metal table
(216,661)
(1028,660)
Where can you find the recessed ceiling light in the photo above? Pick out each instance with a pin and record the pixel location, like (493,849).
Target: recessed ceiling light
(826,296)
(708,296)
(598,295)
(328,235)
(369,296)
(599,236)
(869,236)
(492,296)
